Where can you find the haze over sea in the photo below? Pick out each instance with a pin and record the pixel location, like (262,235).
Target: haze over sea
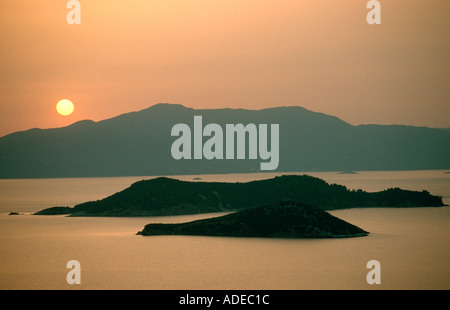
(411,244)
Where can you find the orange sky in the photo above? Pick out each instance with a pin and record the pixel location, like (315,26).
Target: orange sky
(319,54)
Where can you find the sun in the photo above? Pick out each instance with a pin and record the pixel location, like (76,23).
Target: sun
(64,107)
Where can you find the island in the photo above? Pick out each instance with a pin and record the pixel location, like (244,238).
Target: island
(164,196)
(285,219)
(55,211)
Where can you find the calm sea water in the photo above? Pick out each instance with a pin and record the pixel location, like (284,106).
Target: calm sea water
(412,245)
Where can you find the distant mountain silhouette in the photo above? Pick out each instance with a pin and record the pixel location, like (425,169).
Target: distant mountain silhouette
(167,196)
(139,144)
(280,220)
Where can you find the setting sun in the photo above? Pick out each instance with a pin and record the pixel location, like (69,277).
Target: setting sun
(64,107)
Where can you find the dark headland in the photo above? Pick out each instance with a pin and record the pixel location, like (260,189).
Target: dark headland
(166,196)
(279,220)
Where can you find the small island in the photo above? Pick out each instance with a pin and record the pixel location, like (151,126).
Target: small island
(285,219)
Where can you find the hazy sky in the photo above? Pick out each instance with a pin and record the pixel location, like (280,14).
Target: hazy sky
(320,54)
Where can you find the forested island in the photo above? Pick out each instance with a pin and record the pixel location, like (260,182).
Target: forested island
(164,196)
(285,219)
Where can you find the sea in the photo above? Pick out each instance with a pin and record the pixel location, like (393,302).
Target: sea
(412,245)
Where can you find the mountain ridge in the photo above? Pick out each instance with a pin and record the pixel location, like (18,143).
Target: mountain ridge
(138,144)
(173,107)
